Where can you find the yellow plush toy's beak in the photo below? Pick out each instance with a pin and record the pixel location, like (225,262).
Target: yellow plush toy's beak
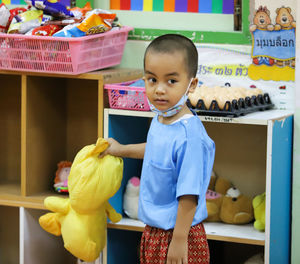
(81,219)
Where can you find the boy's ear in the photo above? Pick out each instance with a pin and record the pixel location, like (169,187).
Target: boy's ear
(193,85)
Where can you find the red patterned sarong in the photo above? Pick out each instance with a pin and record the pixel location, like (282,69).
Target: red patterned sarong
(155,243)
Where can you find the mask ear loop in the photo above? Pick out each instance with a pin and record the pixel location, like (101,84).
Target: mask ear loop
(187,90)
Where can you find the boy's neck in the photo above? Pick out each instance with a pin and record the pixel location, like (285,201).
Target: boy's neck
(171,119)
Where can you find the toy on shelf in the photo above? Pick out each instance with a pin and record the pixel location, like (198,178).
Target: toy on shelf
(259,206)
(61,176)
(131,197)
(81,219)
(256,259)
(226,204)
(217,188)
(236,208)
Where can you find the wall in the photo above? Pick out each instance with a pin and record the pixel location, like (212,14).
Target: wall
(134,50)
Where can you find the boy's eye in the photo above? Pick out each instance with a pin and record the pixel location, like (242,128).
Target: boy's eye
(172,81)
(151,80)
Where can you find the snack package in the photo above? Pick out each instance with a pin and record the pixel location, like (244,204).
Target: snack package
(69,31)
(81,12)
(47,18)
(96,21)
(53,7)
(4,18)
(25,21)
(64,22)
(14,12)
(7,15)
(47,30)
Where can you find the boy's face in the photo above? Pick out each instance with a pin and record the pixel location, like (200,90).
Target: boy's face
(166,78)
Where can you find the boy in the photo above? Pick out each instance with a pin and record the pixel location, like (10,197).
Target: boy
(178,158)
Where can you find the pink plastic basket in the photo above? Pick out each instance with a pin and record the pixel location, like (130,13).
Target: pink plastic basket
(122,96)
(62,55)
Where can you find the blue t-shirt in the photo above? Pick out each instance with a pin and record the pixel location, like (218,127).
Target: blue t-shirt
(178,161)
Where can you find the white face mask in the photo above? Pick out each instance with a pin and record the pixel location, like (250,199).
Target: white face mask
(174,109)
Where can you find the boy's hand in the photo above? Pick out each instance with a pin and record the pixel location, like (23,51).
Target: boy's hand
(134,151)
(178,248)
(113,149)
(178,251)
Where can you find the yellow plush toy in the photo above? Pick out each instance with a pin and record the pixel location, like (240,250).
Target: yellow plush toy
(259,206)
(81,219)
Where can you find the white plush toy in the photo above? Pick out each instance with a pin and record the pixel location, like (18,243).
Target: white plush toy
(131,197)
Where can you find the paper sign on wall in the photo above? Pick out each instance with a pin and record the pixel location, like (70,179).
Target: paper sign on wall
(231,67)
(273,45)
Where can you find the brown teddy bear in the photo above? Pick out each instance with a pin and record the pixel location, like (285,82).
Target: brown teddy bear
(262,20)
(217,188)
(236,208)
(226,204)
(285,20)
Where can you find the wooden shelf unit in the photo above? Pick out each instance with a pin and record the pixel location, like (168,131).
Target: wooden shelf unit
(44,118)
(254,152)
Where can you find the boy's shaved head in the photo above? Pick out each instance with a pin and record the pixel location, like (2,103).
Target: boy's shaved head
(171,43)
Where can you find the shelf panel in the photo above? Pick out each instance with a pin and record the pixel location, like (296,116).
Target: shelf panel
(10,195)
(257,118)
(127,224)
(245,234)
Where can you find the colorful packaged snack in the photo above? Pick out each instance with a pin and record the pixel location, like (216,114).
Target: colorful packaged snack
(4,18)
(69,31)
(47,30)
(7,15)
(94,24)
(52,7)
(64,22)
(81,12)
(25,21)
(17,11)
(47,18)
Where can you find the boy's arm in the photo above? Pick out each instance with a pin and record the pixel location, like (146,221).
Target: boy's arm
(134,151)
(178,249)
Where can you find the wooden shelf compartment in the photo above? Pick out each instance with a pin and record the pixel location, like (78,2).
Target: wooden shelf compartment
(240,157)
(60,117)
(10,134)
(136,133)
(9,235)
(38,246)
(241,152)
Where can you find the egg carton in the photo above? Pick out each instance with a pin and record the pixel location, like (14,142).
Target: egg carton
(235,107)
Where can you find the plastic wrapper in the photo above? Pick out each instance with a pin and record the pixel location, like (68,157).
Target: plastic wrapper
(25,21)
(68,31)
(4,18)
(81,12)
(7,15)
(47,18)
(47,30)
(64,22)
(53,8)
